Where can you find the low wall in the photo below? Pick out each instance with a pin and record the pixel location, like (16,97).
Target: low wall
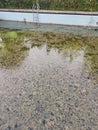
(51,17)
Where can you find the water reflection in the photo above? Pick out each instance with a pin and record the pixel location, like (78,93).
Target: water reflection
(15,47)
(39,67)
(75,62)
(12,50)
(11,59)
(45,82)
(47,87)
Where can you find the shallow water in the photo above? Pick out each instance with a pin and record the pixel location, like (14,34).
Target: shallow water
(49,89)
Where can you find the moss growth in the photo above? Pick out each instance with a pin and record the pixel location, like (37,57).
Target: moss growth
(11,54)
(16,42)
(11,34)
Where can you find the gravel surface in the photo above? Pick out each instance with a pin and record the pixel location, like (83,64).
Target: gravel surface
(49,91)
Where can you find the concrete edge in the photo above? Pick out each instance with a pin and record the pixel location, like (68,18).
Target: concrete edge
(49,11)
(43,23)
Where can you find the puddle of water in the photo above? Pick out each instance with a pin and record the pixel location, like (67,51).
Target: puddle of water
(50,88)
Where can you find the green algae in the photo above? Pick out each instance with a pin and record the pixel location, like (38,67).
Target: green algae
(12,54)
(16,44)
(11,34)
(91,55)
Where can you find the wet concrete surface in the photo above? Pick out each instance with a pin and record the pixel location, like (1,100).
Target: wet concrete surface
(71,29)
(49,91)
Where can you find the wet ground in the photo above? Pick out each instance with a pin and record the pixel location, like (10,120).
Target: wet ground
(48,83)
(49,27)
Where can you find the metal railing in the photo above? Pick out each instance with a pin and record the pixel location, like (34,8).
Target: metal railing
(35,11)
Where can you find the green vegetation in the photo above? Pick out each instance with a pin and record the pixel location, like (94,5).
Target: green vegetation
(15,45)
(12,51)
(81,5)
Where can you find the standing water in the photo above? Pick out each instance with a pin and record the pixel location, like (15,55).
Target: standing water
(48,81)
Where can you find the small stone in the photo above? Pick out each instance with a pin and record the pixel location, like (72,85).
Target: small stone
(52,113)
(76,104)
(88,77)
(77,86)
(66,128)
(88,128)
(1,122)
(7,109)
(8,128)
(30,96)
(20,94)
(84,92)
(50,123)
(30,128)
(58,105)
(34,93)
(44,122)
(16,125)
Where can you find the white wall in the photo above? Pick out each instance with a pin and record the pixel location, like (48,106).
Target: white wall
(66,19)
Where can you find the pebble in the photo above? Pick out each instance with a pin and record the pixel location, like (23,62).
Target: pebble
(41,97)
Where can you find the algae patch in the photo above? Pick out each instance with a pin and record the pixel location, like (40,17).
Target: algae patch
(12,52)
(11,35)
(16,44)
